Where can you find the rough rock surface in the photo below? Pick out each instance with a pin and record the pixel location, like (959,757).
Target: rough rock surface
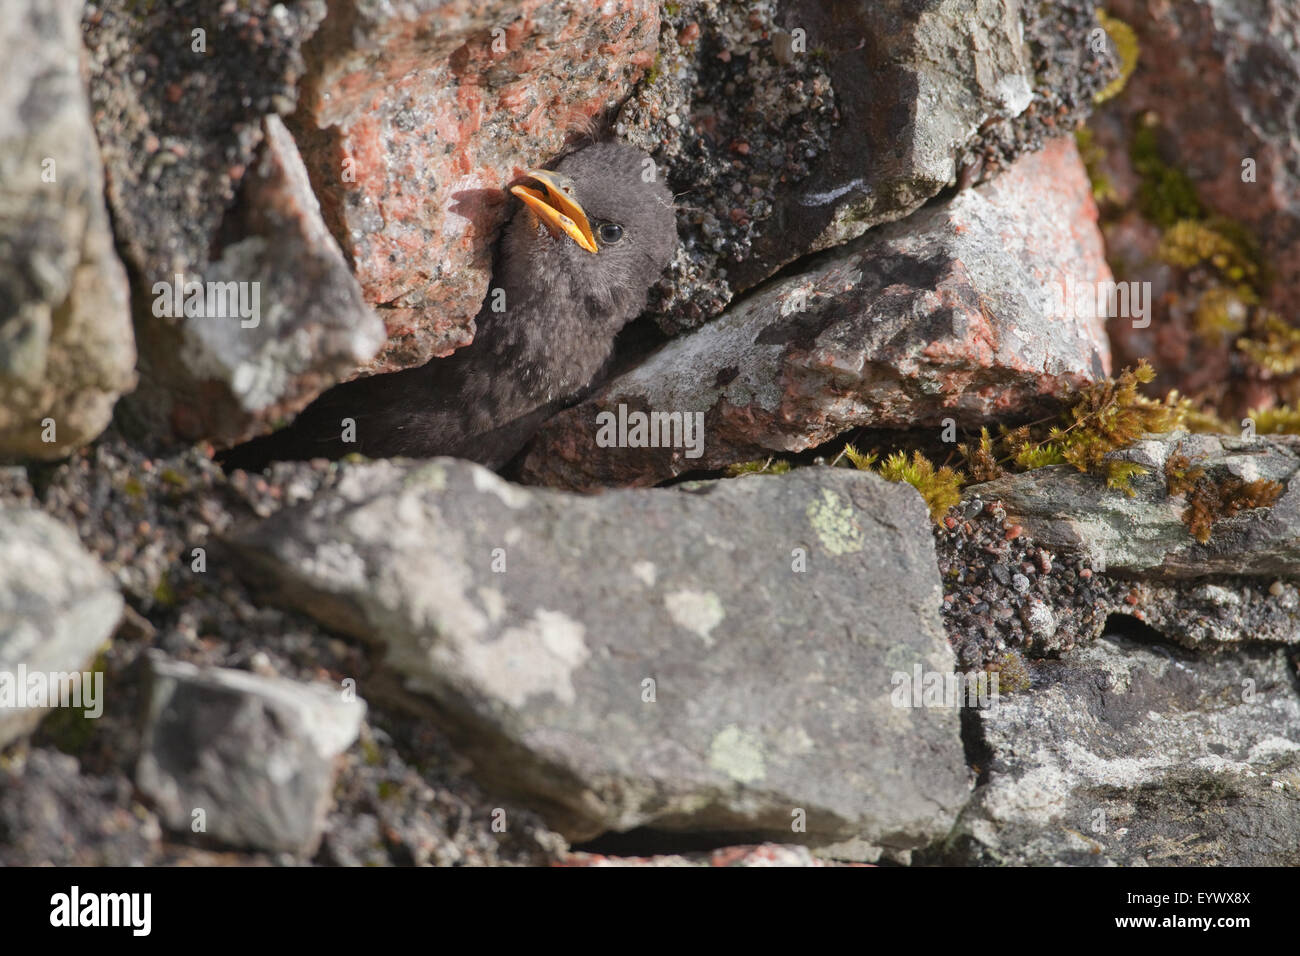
(642,686)
(57,608)
(226,377)
(1135,755)
(66,347)
(253,757)
(1063,508)
(205,183)
(416,116)
(787,128)
(943,315)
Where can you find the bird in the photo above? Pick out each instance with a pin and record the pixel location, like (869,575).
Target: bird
(574,266)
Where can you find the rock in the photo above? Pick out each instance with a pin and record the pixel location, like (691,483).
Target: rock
(254,754)
(1064,508)
(52,814)
(622,679)
(205,184)
(766,854)
(58,607)
(943,315)
(66,346)
(1130,755)
(792,127)
(416,116)
(229,377)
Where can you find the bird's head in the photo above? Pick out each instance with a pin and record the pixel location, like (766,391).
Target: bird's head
(598,228)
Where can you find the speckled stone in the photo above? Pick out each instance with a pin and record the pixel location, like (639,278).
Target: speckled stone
(621,659)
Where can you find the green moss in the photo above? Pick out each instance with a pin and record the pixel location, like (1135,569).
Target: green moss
(1013,674)
(1165,194)
(1278,350)
(68,728)
(939,487)
(163,593)
(1219,245)
(1282,420)
(171,476)
(133,488)
(759,466)
(1094,157)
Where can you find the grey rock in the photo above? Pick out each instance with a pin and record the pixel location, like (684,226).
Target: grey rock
(206,184)
(795,126)
(58,607)
(255,754)
(943,315)
(771,687)
(1131,755)
(66,347)
(1064,508)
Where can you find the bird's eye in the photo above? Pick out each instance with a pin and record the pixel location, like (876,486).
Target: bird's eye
(610,233)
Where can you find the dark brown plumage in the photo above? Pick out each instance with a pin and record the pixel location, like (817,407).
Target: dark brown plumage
(563,307)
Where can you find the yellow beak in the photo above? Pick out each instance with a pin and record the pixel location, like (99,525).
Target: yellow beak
(555,206)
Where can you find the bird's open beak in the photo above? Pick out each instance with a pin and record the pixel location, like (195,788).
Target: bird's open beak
(556,207)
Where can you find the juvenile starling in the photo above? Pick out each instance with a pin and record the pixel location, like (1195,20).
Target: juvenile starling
(575,265)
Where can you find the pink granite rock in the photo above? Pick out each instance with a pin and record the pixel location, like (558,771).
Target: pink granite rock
(415,116)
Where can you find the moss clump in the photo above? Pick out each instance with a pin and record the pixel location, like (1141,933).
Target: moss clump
(1283,420)
(1165,195)
(1127,49)
(1109,415)
(981,459)
(1103,190)
(1013,674)
(1216,243)
(759,466)
(164,594)
(939,487)
(1278,350)
(1180,475)
(133,487)
(1210,500)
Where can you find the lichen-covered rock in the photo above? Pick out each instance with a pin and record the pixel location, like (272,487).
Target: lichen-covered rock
(66,346)
(246,759)
(57,608)
(1129,755)
(946,314)
(206,187)
(791,127)
(415,117)
(712,657)
(1146,533)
